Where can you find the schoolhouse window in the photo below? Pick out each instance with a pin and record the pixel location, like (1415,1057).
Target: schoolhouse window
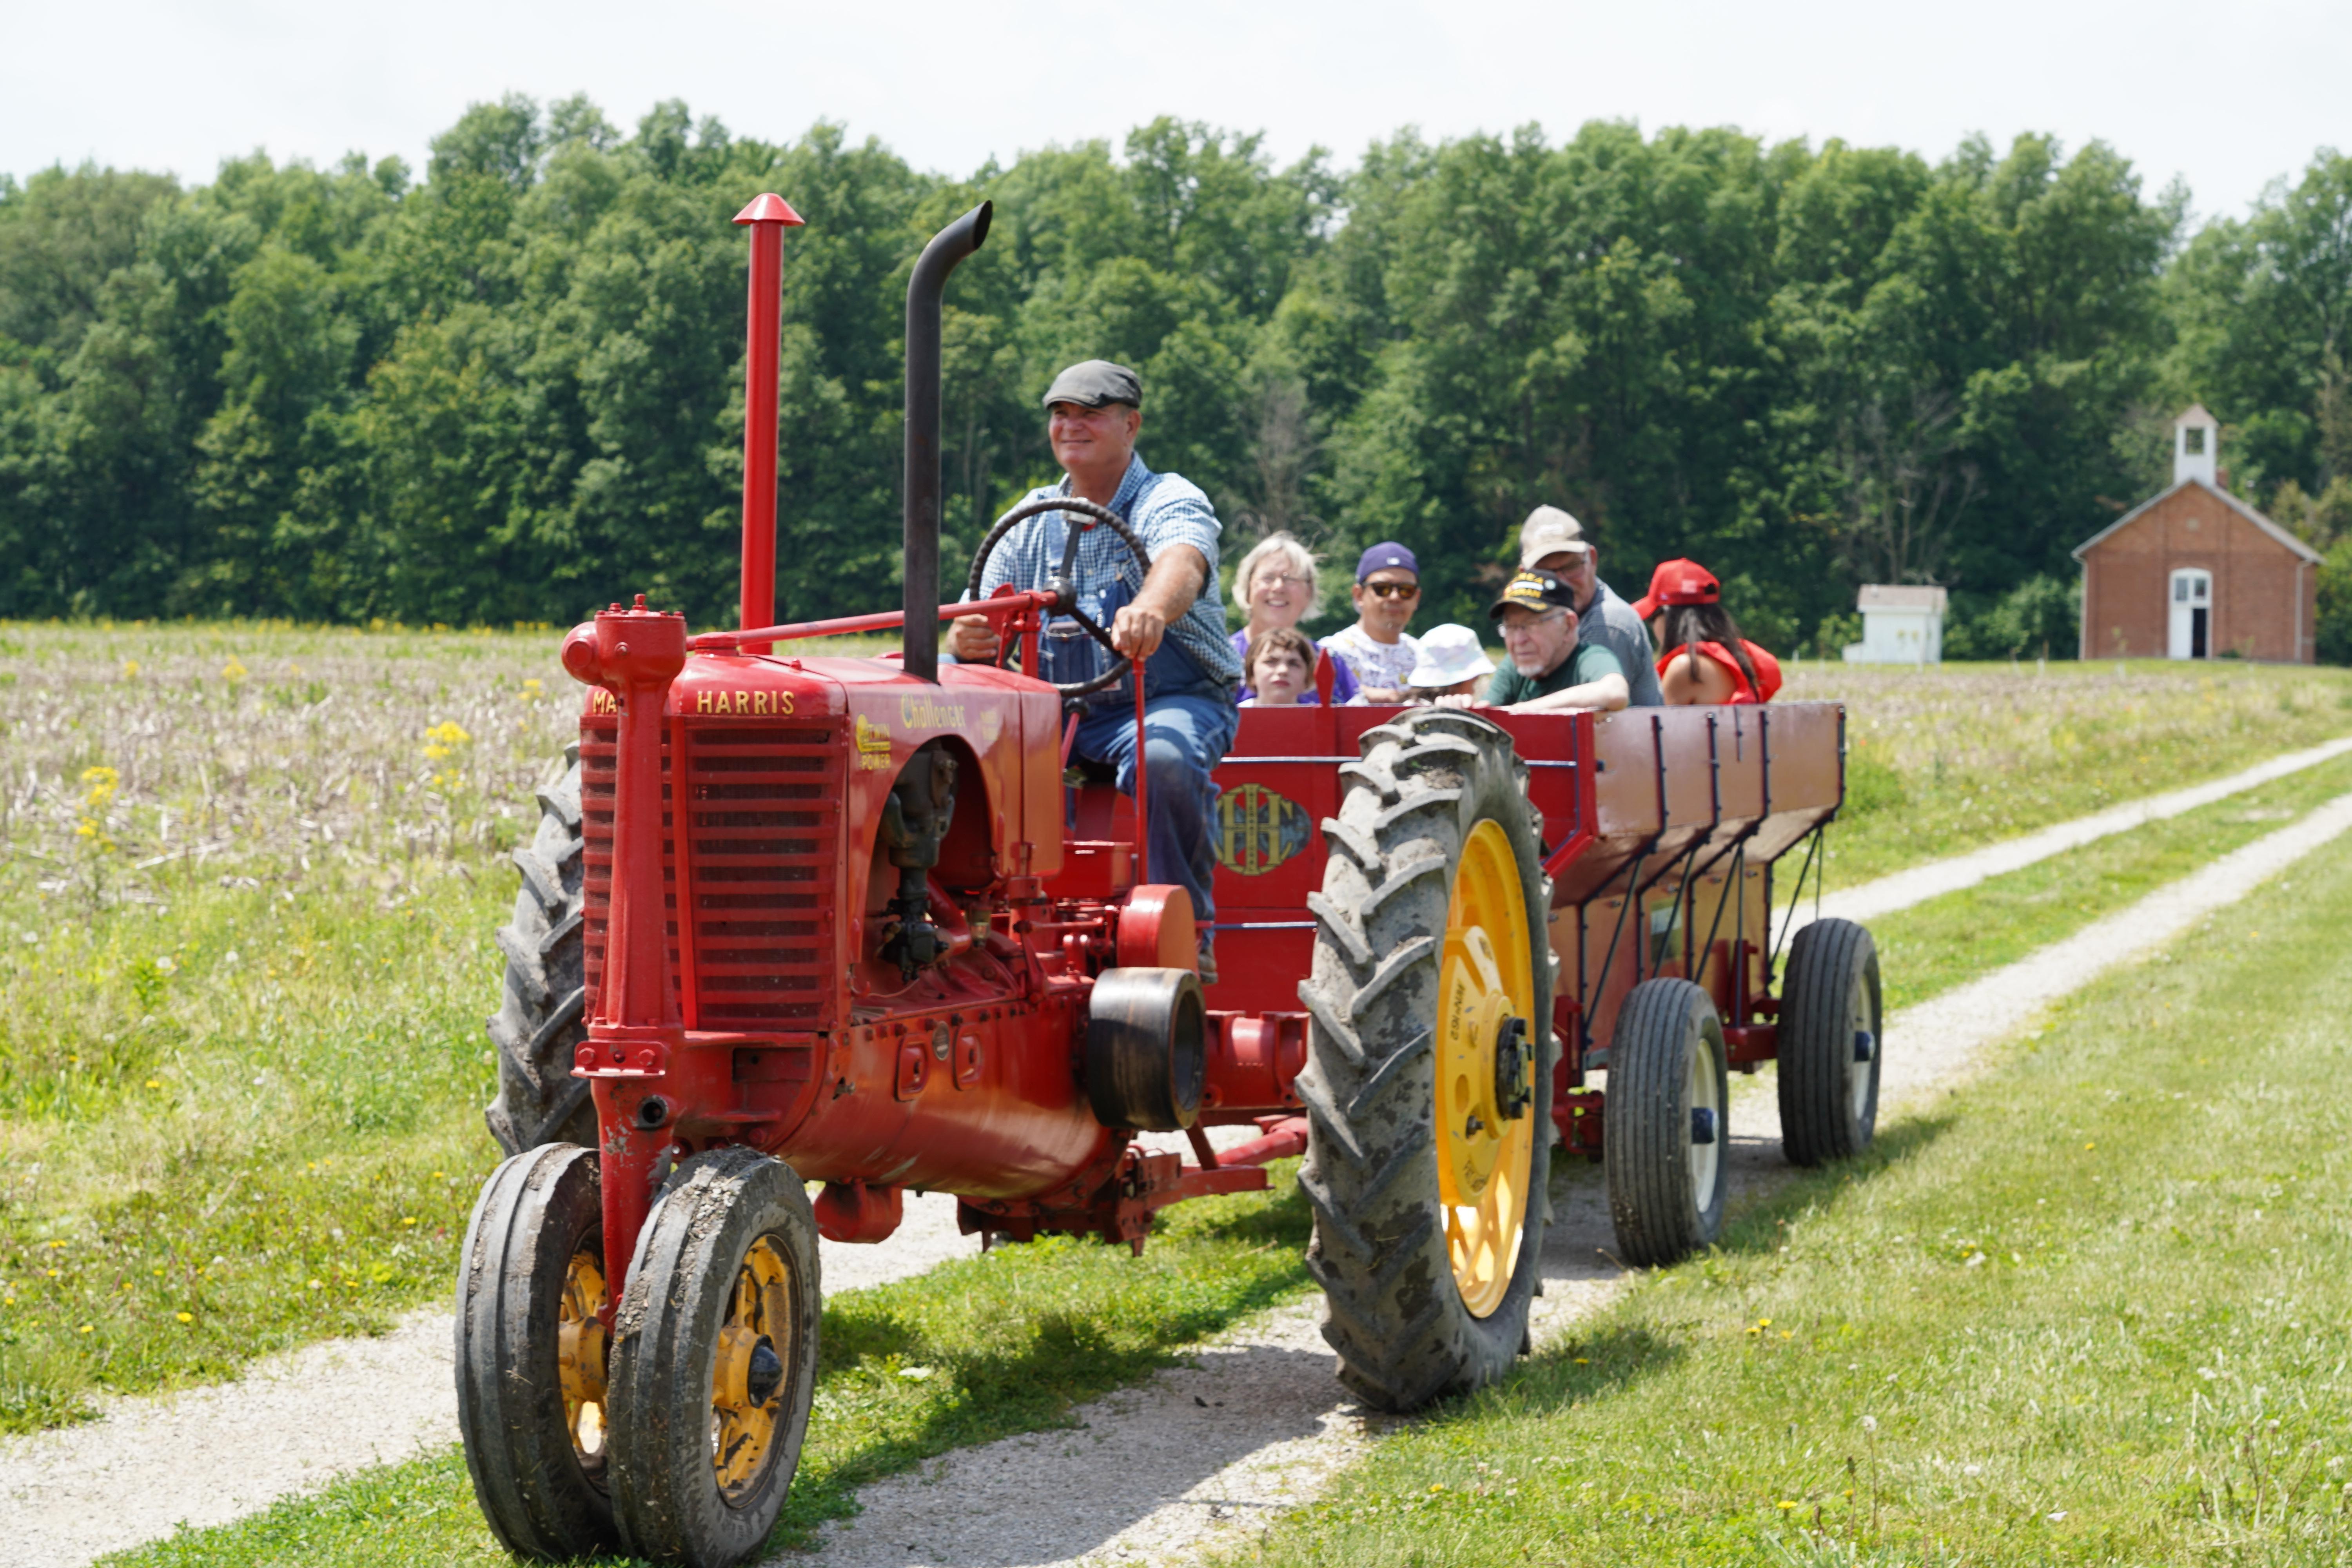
(2193,440)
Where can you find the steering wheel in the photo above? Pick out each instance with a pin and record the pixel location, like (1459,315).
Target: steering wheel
(1065,597)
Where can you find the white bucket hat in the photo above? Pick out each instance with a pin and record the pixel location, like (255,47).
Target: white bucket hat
(1449,654)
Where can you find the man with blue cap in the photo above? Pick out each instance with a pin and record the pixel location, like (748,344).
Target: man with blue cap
(1172,623)
(1377,649)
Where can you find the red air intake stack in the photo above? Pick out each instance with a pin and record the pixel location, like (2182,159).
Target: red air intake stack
(768,216)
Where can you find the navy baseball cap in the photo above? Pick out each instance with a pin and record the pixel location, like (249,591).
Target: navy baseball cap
(1388,552)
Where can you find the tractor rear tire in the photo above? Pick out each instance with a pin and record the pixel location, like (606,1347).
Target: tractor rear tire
(530,1282)
(1666,1131)
(1830,1044)
(1429,1062)
(714,1361)
(540,1017)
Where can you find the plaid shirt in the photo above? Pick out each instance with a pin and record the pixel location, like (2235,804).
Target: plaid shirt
(1163,509)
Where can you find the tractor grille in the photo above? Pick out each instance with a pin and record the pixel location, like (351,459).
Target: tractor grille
(762,861)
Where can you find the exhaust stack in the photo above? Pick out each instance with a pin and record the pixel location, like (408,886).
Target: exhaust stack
(924,292)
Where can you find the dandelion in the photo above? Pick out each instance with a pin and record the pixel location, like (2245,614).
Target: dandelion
(85,1328)
(130,670)
(185,1316)
(409,1220)
(444,738)
(1786,1506)
(155,1083)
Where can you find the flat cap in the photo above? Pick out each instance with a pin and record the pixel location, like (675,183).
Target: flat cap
(1092,382)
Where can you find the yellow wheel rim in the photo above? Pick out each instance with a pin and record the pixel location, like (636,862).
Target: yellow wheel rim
(580,1358)
(1486,976)
(743,1425)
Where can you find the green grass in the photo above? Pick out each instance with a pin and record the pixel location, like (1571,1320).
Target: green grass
(1954,939)
(1946,760)
(977,1349)
(2095,1309)
(243,974)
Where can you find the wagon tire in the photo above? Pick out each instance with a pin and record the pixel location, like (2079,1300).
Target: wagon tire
(540,1019)
(530,1355)
(1665,1132)
(1830,1044)
(1429,1062)
(714,1361)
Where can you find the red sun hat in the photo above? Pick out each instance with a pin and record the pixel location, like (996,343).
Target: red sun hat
(1678,582)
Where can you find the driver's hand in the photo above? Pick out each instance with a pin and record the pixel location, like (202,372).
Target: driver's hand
(1463,700)
(970,639)
(1136,631)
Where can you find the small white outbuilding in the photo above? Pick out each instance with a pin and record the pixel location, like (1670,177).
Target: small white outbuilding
(1899,625)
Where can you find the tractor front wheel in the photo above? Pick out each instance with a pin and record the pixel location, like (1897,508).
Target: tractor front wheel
(531,1355)
(714,1361)
(1428,1053)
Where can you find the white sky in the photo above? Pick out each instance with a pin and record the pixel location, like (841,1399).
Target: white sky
(2227,96)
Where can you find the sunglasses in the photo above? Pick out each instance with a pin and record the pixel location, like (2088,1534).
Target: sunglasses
(1394,590)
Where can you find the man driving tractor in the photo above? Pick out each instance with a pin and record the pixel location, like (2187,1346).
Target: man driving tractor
(1171,622)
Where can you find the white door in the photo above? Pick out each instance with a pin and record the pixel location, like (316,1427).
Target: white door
(2192,613)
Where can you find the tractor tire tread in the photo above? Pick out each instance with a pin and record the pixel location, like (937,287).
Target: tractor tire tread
(539,1022)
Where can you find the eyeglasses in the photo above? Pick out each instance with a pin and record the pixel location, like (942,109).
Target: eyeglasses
(1531,623)
(1282,579)
(1394,590)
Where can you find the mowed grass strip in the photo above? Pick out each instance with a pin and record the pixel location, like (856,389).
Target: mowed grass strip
(1932,947)
(2094,1308)
(977,1349)
(1952,758)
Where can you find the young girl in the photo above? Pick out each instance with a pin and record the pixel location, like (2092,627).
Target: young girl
(1279,669)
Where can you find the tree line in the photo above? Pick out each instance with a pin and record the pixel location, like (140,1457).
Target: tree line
(512,389)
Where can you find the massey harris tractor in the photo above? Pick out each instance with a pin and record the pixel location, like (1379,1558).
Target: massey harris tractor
(794,921)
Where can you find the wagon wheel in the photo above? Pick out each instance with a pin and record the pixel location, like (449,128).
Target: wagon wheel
(714,1361)
(539,1021)
(1427,1148)
(531,1355)
(1664,1132)
(1060,585)
(1829,1044)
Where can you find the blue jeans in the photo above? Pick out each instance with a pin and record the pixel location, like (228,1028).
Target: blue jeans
(1185,735)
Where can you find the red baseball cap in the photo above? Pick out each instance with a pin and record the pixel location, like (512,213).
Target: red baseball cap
(1678,582)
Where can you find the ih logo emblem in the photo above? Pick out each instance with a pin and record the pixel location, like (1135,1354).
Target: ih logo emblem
(1258,830)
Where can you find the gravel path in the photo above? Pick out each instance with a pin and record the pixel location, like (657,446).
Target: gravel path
(1202,1457)
(1193,1457)
(1867,901)
(68,1496)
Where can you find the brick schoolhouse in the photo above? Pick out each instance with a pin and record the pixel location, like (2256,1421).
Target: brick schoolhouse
(2196,572)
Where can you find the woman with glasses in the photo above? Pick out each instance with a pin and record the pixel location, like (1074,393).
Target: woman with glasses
(1275,589)
(1377,647)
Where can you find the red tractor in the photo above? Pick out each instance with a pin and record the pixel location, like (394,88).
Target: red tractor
(794,919)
